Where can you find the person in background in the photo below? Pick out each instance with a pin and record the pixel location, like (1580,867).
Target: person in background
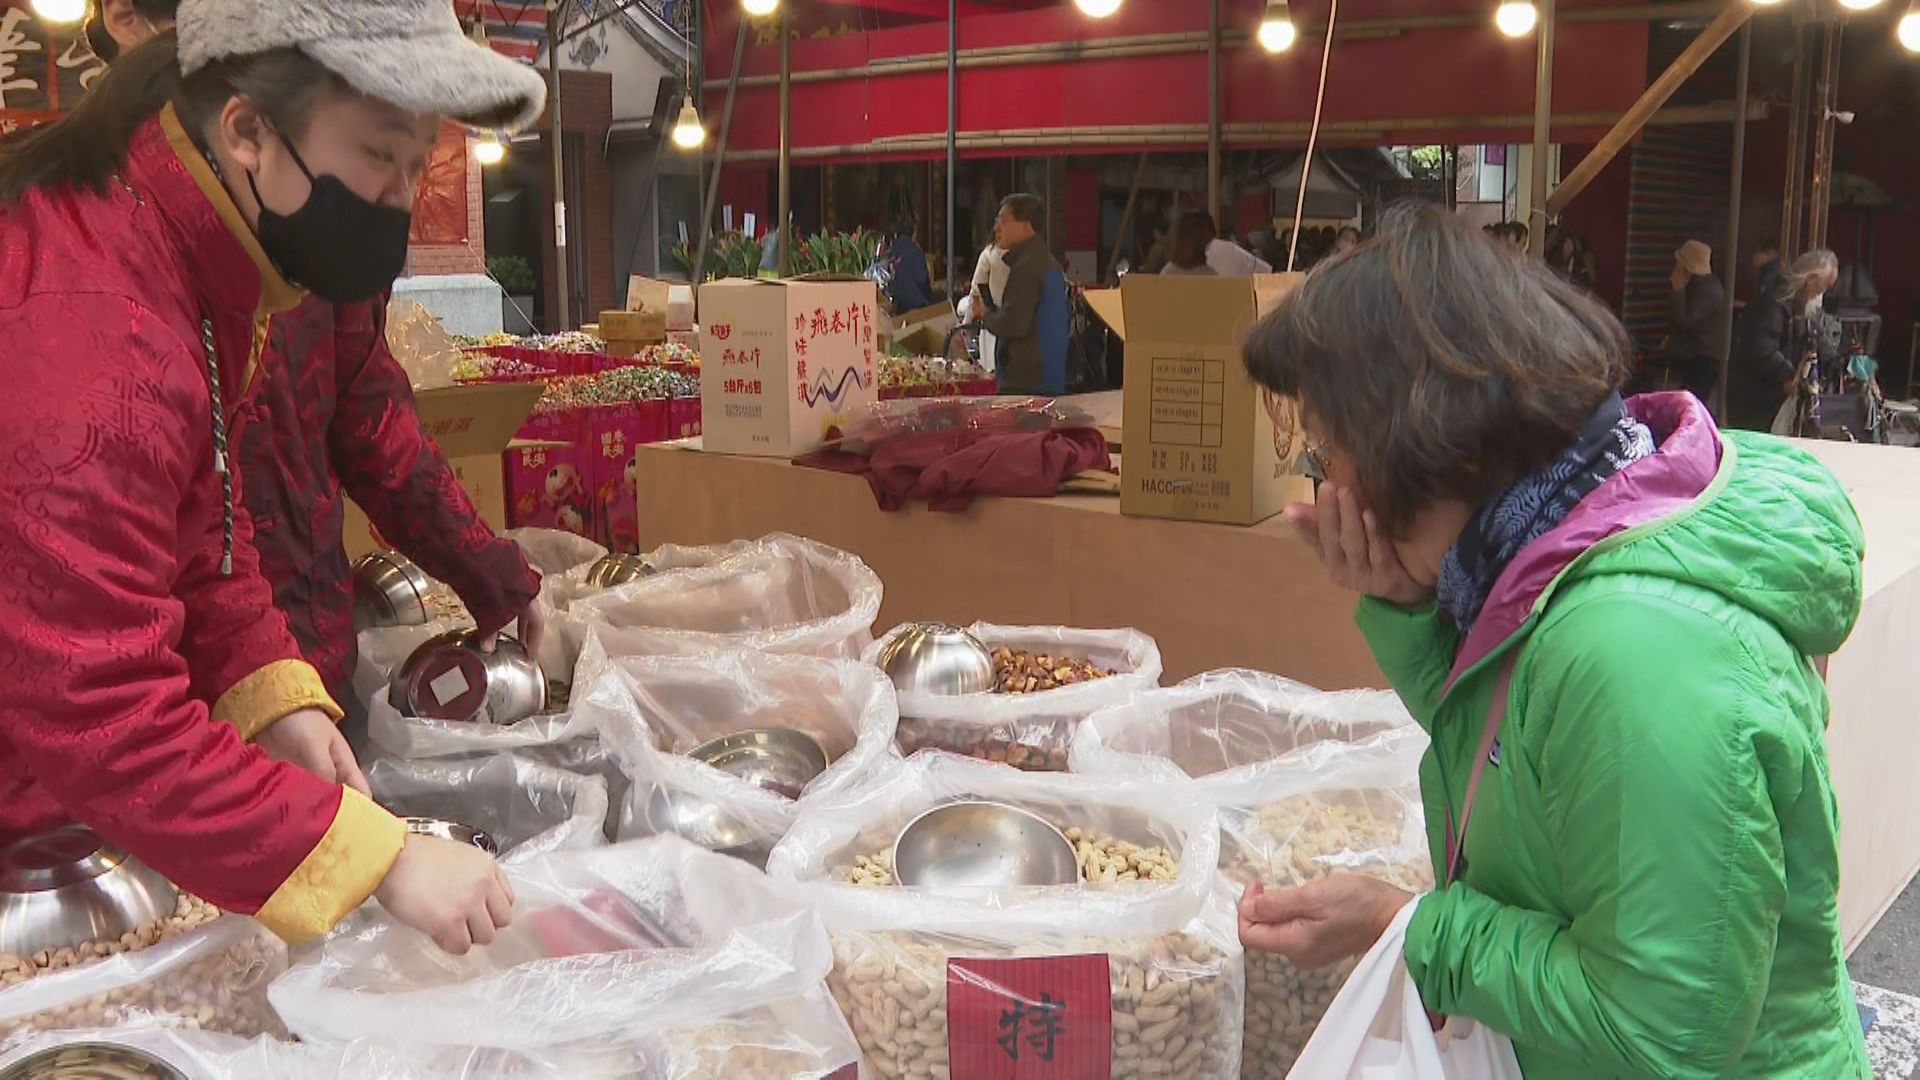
(912,287)
(1187,255)
(1604,614)
(1227,258)
(1518,235)
(118,25)
(143,649)
(1031,319)
(1569,257)
(1774,336)
(1765,268)
(1347,240)
(1696,319)
(989,285)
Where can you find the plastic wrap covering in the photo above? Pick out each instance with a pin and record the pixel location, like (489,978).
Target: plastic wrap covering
(528,808)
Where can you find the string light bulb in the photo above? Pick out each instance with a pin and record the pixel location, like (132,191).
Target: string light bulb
(688,133)
(60,11)
(489,150)
(1277,33)
(1097,9)
(1516,18)
(1909,31)
(760,8)
(1860,5)
(1763,3)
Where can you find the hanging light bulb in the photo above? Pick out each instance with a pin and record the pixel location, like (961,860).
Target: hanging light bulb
(1860,5)
(489,150)
(687,132)
(1097,9)
(1763,3)
(759,8)
(1516,18)
(1909,32)
(1277,33)
(60,11)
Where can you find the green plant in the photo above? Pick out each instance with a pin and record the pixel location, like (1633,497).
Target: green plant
(512,272)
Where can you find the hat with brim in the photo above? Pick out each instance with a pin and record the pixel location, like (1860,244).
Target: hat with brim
(1696,257)
(409,53)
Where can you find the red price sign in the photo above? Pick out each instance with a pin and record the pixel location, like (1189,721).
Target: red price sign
(1036,1018)
(849,1071)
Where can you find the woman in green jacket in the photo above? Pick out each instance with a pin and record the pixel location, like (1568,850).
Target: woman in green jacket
(1605,613)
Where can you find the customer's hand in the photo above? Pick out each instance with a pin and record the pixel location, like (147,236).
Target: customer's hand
(309,739)
(1320,923)
(1357,556)
(453,893)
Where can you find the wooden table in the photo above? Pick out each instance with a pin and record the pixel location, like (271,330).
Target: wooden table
(1219,596)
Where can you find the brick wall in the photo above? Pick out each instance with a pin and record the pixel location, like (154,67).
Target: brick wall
(468,258)
(586,111)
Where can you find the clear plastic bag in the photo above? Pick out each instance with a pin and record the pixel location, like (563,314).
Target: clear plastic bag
(528,808)
(1032,731)
(651,711)
(213,978)
(618,959)
(1144,977)
(1305,782)
(780,594)
(421,346)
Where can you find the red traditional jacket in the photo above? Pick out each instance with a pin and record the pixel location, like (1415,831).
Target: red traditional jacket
(338,413)
(117,624)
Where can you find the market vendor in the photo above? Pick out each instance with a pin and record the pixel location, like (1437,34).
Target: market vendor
(247,150)
(1605,614)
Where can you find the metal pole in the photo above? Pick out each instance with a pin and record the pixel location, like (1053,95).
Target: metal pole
(562,316)
(1542,131)
(1820,189)
(953,142)
(719,157)
(786,140)
(1795,187)
(1213,109)
(1730,256)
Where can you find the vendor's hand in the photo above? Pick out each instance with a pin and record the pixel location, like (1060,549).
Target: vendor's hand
(310,739)
(533,627)
(1357,555)
(453,893)
(1321,923)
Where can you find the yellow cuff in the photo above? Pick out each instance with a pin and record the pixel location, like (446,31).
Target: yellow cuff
(339,873)
(284,686)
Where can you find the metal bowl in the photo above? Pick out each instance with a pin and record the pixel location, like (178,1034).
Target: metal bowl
(703,822)
(933,658)
(615,570)
(975,844)
(388,590)
(67,887)
(454,831)
(91,1061)
(449,678)
(781,760)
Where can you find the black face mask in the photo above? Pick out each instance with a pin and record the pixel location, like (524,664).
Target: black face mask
(338,245)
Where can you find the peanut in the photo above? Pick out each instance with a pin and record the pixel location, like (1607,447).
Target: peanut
(1102,859)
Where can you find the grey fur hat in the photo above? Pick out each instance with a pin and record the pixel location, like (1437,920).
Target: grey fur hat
(410,53)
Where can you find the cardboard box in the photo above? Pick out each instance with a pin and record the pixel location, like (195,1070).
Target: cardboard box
(784,364)
(924,331)
(472,425)
(1200,443)
(647,294)
(645,327)
(549,481)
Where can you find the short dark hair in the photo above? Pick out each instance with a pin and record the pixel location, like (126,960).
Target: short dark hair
(1191,235)
(1441,367)
(1768,242)
(1025,208)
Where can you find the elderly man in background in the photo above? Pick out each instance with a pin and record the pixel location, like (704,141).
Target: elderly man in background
(1031,318)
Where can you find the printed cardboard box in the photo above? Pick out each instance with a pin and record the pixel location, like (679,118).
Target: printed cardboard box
(550,485)
(784,364)
(615,434)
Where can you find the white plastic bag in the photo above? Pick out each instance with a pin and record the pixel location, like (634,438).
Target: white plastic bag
(1142,977)
(212,978)
(618,959)
(206,1055)
(528,808)
(1030,731)
(780,594)
(652,710)
(1305,782)
(1377,1028)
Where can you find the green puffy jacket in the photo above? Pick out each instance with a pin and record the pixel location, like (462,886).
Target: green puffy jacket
(1649,881)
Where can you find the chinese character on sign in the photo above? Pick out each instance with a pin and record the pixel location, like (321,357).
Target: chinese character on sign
(534,459)
(755,388)
(1039,1023)
(800,370)
(613,444)
(800,346)
(819,325)
(78,57)
(839,325)
(800,323)
(12,43)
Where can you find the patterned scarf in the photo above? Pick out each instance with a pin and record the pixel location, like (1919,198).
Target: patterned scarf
(1524,512)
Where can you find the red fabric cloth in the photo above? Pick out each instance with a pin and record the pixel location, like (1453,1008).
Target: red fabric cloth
(950,468)
(339,413)
(116,625)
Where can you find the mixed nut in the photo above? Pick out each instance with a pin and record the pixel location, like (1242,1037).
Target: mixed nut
(1288,844)
(1017,671)
(224,992)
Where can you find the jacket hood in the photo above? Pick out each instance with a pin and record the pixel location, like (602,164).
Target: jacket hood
(1752,518)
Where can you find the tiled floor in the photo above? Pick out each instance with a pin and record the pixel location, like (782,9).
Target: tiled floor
(1893,1031)
(1890,958)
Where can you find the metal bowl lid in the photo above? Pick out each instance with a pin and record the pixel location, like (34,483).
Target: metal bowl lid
(448,683)
(54,860)
(781,760)
(91,1061)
